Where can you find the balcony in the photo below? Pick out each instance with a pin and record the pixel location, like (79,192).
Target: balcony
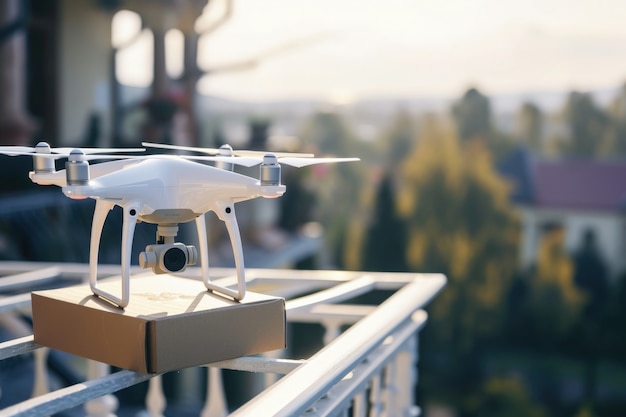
(365,364)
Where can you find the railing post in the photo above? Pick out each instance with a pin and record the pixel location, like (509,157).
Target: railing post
(155,398)
(390,388)
(359,405)
(332,330)
(215,405)
(104,406)
(40,385)
(375,402)
(406,377)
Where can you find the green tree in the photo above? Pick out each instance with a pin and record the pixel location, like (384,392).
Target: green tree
(460,223)
(617,130)
(398,139)
(472,114)
(338,186)
(554,302)
(587,125)
(329,134)
(385,239)
(507,397)
(530,126)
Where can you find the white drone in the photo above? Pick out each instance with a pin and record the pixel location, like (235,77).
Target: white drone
(164,190)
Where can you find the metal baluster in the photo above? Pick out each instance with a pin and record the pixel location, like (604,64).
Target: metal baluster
(215,405)
(40,385)
(375,403)
(391,388)
(359,405)
(405,378)
(332,331)
(105,406)
(415,410)
(155,398)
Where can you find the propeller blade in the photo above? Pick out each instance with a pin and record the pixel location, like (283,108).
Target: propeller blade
(213,151)
(9,150)
(261,154)
(27,153)
(61,156)
(237,160)
(68,150)
(210,151)
(96,157)
(62,152)
(302,162)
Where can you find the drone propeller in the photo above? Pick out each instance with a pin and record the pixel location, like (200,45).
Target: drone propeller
(303,162)
(225,150)
(43,148)
(297,162)
(238,160)
(84,157)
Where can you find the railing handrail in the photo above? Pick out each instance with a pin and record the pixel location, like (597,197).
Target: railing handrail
(297,391)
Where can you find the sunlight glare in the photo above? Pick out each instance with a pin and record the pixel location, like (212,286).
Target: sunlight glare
(133,64)
(174,52)
(124,27)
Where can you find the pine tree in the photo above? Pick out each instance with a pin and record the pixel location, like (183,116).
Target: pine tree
(385,239)
(587,124)
(530,126)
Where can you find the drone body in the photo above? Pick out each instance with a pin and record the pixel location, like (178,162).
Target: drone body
(165,190)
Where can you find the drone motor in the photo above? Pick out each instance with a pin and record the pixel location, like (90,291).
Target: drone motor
(270,170)
(43,164)
(77,168)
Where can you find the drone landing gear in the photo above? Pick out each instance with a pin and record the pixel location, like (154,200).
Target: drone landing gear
(226,213)
(131,212)
(168,254)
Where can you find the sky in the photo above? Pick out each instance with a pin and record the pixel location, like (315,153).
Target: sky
(402,48)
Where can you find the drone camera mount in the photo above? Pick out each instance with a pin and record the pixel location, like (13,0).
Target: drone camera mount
(167,255)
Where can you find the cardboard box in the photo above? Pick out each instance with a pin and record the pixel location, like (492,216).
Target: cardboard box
(171,323)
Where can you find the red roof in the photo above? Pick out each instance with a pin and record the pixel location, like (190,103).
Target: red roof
(580,184)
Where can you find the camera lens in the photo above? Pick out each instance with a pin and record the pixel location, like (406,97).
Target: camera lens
(174,259)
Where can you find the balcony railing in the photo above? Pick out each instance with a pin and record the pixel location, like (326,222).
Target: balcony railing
(367,365)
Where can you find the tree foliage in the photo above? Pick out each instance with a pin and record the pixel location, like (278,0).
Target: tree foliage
(587,125)
(530,121)
(338,186)
(398,139)
(460,222)
(385,238)
(554,302)
(617,129)
(472,114)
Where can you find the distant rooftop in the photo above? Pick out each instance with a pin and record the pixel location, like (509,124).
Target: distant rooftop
(578,184)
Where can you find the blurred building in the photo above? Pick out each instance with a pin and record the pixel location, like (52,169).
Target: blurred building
(59,78)
(579,195)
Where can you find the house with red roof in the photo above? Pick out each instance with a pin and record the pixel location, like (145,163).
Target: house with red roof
(579,195)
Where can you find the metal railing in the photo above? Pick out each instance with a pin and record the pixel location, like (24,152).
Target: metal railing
(367,365)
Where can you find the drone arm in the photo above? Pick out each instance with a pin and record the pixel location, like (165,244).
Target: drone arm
(226,212)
